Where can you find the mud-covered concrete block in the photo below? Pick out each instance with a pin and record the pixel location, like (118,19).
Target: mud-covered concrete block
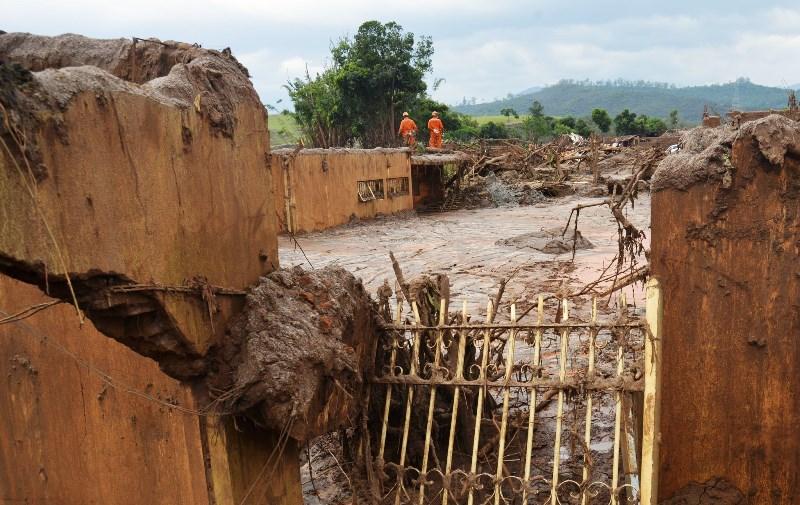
(296,357)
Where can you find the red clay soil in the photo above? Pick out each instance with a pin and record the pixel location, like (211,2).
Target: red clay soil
(716,491)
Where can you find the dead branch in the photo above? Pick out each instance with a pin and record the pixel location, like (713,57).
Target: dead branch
(398,273)
(640,274)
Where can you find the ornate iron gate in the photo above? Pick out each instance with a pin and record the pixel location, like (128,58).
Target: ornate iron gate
(519,411)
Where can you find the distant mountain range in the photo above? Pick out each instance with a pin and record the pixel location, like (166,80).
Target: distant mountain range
(578,98)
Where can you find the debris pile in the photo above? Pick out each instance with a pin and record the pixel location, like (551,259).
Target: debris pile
(504,172)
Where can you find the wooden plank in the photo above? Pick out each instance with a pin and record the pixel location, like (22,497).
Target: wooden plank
(652,394)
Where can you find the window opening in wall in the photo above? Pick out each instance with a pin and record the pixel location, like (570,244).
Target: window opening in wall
(397,186)
(370,190)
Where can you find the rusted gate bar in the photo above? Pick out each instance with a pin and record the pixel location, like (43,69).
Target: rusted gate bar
(473,389)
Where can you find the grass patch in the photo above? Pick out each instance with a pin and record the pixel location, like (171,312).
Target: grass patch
(283,129)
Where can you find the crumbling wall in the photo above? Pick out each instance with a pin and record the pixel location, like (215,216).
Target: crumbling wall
(725,243)
(159,183)
(137,172)
(319,187)
(71,436)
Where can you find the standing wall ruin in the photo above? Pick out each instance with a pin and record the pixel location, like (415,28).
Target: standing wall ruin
(142,177)
(725,245)
(317,189)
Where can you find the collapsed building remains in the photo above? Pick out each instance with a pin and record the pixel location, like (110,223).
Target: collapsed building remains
(148,330)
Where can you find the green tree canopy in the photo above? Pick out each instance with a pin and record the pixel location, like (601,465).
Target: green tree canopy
(625,123)
(536,127)
(628,123)
(374,76)
(492,130)
(508,112)
(582,128)
(601,118)
(536,109)
(568,121)
(673,119)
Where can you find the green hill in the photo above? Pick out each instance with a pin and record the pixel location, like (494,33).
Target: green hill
(654,99)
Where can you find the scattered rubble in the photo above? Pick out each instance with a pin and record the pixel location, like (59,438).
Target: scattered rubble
(705,153)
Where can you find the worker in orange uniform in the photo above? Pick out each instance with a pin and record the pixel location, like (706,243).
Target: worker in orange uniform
(436,128)
(408,130)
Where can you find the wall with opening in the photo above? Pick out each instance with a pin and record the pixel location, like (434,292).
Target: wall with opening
(317,189)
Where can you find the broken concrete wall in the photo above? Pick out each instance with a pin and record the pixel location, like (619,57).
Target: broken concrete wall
(317,189)
(146,184)
(725,245)
(738,118)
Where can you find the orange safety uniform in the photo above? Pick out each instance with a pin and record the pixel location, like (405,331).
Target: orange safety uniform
(408,130)
(436,128)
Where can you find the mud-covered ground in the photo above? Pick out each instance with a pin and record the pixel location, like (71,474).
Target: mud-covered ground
(476,249)
(470,247)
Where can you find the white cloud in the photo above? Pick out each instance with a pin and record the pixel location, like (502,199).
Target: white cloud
(483,49)
(781,19)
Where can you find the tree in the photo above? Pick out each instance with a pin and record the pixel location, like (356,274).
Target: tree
(582,128)
(625,123)
(601,118)
(319,110)
(536,127)
(653,126)
(492,130)
(508,112)
(536,109)
(374,76)
(568,121)
(561,129)
(673,119)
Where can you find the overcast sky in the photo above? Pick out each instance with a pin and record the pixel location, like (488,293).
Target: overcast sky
(483,49)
